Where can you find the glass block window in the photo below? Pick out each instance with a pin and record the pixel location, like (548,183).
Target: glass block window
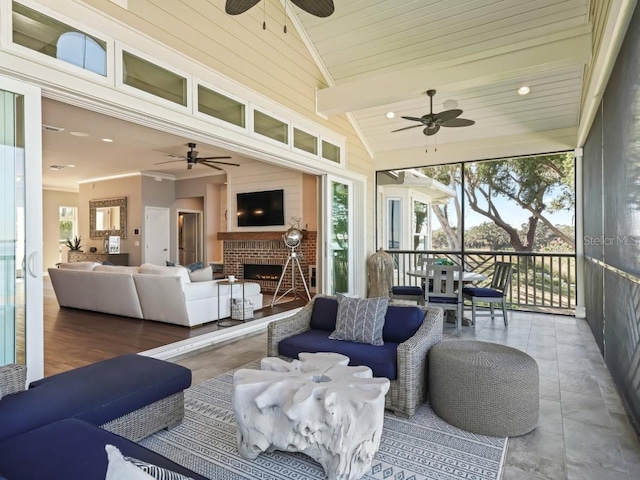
(219,106)
(270,127)
(55,39)
(330,152)
(305,141)
(151,78)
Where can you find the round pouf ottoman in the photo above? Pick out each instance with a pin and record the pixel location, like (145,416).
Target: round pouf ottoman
(484,388)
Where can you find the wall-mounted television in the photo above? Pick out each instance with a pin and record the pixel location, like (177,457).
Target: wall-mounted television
(260,209)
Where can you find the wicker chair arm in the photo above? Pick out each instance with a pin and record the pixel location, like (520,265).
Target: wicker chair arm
(13,379)
(286,327)
(412,355)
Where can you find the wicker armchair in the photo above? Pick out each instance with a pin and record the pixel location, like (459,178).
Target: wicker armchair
(13,379)
(409,389)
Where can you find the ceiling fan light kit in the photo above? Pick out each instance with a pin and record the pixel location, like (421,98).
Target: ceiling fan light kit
(192,159)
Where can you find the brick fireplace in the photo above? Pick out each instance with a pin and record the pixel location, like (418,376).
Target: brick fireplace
(268,249)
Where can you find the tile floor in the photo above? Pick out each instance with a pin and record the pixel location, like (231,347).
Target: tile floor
(583,431)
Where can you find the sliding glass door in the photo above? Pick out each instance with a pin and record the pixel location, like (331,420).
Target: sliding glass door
(339,236)
(21,295)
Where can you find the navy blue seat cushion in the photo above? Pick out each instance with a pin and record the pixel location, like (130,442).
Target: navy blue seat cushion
(97,393)
(71,449)
(482,292)
(407,291)
(324,314)
(380,359)
(401,323)
(443,300)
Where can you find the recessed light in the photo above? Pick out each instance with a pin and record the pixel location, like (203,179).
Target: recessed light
(56,167)
(79,134)
(524,90)
(107,140)
(71,165)
(52,128)
(390,114)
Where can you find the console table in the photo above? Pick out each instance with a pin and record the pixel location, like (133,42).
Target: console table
(115,258)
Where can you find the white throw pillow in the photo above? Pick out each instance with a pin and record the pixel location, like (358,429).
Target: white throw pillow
(120,469)
(88,266)
(150,269)
(126,468)
(202,275)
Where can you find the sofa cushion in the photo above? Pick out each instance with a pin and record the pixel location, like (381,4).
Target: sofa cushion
(71,449)
(380,359)
(150,269)
(97,393)
(360,319)
(324,313)
(115,269)
(202,275)
(402,322)
(89,266)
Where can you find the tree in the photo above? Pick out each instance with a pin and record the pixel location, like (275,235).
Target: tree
(486,236)
(66,229)
(541,185)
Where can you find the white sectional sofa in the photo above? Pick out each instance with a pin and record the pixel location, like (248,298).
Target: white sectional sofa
(151,292)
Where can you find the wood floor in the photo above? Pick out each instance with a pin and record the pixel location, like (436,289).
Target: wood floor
(73,338)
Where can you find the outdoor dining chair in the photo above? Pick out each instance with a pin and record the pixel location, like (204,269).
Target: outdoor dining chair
(445,292)
(412,292)
(496,293)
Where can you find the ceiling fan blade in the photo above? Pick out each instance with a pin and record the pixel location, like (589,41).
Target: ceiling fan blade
(407,128)
(170,161)
(319,8)
(236,7)
(219,163)
(448,115)
(458,122)
(431,130)
(413,119)
(212,158)
(211,166)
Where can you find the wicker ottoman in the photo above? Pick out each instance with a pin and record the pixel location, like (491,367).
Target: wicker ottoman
(484,388)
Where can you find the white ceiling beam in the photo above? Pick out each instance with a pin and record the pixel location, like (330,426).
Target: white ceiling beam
(570,47)
(496,147)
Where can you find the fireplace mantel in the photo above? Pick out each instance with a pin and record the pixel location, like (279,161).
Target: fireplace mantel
(240,236)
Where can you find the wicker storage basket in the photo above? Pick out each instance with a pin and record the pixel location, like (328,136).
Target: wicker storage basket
(240,313)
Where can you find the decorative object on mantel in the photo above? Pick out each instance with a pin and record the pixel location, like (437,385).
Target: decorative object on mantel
(73,245)
(379,274)
(292,239)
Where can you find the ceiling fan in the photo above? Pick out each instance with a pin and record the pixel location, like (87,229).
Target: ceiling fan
(192,159)
(433,121)
(319,8)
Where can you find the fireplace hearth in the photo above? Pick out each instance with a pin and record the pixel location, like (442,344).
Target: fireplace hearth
(262,272)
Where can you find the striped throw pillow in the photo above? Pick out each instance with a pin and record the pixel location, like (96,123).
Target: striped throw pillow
(360,319)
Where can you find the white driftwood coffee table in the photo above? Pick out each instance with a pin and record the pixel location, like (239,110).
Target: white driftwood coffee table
(317,405)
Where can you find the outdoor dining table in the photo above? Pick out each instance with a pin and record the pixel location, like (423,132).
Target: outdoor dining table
(467,277)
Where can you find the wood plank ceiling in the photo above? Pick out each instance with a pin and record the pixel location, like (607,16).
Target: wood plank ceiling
(383,55)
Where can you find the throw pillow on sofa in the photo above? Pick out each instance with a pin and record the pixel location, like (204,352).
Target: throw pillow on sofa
(202,275)
(126,468)
(360,320)
(195,266)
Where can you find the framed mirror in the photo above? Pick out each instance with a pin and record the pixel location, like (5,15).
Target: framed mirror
(108,217)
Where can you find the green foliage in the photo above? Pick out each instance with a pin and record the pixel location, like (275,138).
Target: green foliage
(66,229)
(73,245)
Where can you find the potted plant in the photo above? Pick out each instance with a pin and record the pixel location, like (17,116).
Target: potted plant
(73,245)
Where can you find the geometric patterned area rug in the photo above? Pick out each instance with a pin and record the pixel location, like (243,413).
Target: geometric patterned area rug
(422,447)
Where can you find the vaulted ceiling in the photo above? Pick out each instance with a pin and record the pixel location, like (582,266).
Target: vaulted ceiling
(381,56)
